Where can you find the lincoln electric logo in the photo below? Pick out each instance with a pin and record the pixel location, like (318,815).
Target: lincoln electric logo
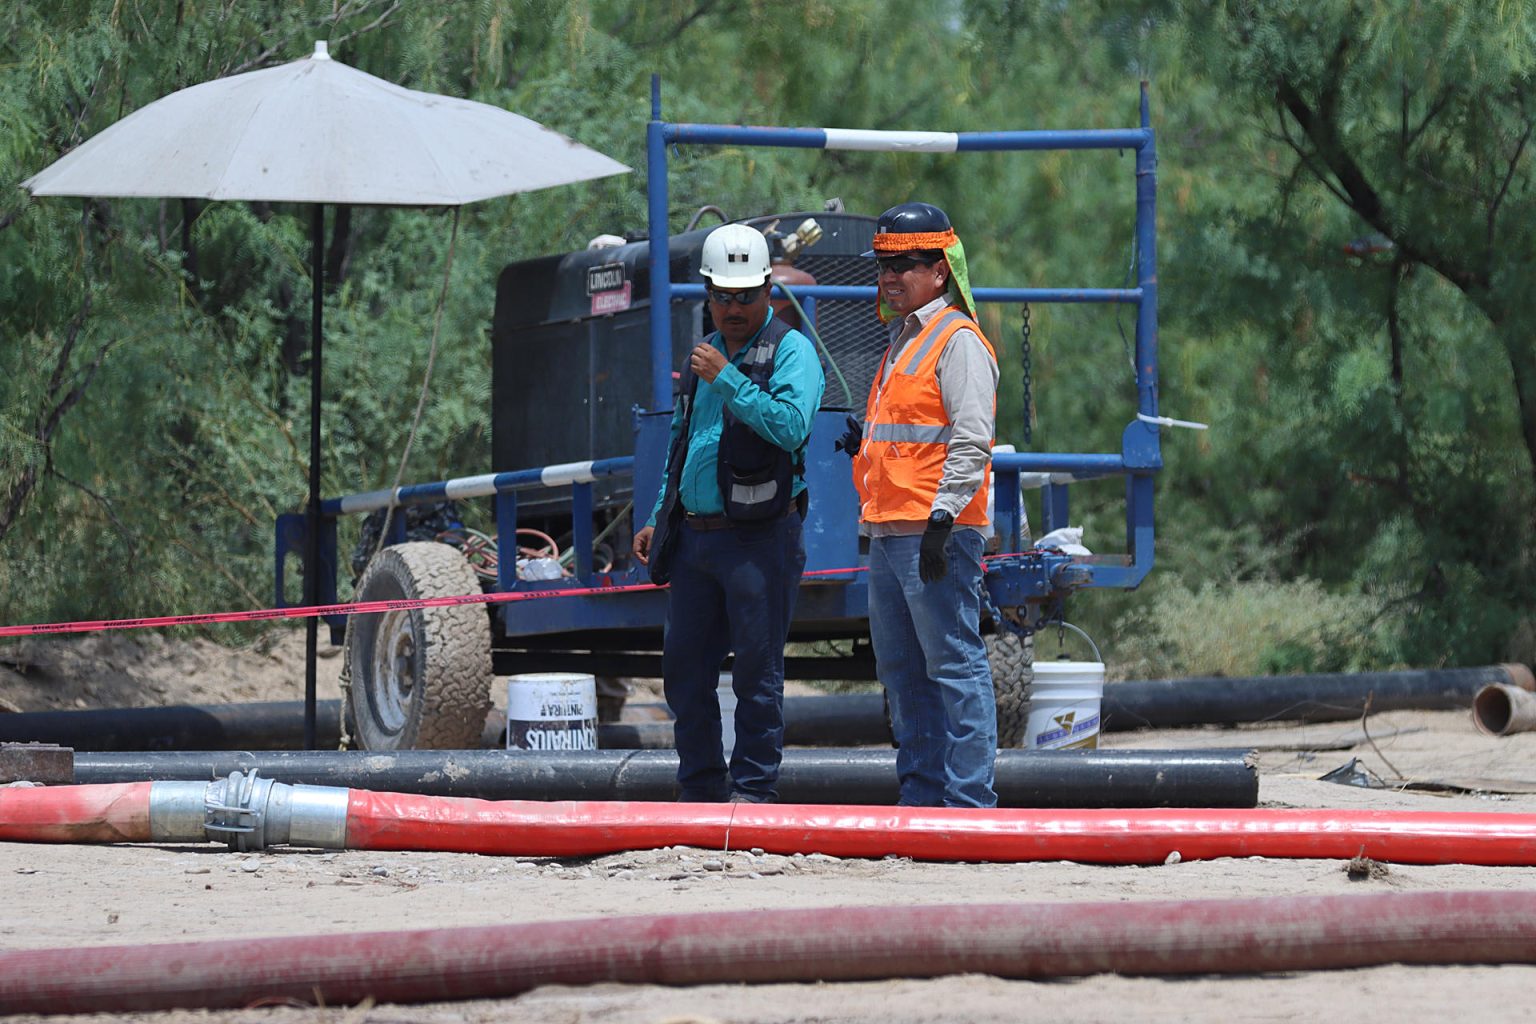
(605,278)
(609,289)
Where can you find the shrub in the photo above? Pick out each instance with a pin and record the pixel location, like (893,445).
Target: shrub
(1251,627)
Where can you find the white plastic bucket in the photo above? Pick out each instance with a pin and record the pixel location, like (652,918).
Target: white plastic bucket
(1064,705)
(551,711)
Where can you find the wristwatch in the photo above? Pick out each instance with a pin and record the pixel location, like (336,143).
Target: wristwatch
(940,518)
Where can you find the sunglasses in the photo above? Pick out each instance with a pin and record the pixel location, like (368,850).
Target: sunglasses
(902,264)
(741,298)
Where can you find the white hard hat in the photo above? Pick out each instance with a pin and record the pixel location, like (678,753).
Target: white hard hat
(735,256)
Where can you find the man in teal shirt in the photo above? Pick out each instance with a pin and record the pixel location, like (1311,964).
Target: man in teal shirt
(755,386)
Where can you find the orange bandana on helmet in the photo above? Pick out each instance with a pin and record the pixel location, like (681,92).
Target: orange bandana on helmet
(891,243)
(911,241)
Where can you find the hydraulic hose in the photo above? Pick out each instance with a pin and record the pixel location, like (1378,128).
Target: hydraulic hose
(1041,940)
(810,328)
(249,812)
(1024,778)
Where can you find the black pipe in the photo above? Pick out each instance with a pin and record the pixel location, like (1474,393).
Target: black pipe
(268,725)
(834,720)
(830,720)
(859,718)
(1025,778)
(1161,703)
(849,719)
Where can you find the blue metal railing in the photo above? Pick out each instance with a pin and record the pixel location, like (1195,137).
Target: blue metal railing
(503,487)
(1141,453)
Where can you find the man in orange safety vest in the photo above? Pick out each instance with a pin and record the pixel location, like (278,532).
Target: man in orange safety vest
(921,464)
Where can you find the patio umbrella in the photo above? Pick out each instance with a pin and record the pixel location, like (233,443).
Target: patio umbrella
(317,131)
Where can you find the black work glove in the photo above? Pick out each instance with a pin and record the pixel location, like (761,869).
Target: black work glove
(851,439)
(932,563)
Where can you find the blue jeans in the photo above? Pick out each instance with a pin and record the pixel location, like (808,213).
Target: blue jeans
(732,590)
(931,658)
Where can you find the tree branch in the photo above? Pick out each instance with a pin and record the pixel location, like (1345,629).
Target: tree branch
(1309,160)
(106,507)
(286,45)
(49,418)
(1358,193)
(1509,175)
(703,8)
(1409,138)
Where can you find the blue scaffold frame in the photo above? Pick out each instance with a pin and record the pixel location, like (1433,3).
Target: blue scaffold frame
(1140,456)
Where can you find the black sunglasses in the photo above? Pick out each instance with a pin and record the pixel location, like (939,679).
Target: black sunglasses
(741,298)
(902,264)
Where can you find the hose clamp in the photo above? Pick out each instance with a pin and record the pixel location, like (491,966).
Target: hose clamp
(235,810)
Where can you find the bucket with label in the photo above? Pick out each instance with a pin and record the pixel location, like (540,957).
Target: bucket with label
(1064,705)
(552,711)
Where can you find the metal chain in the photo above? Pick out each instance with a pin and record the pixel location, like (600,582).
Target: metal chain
(1029,412)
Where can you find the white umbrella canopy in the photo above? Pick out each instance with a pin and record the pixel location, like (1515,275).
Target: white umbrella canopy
(318,131)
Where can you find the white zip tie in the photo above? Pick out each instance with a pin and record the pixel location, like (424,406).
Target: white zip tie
(1165,421)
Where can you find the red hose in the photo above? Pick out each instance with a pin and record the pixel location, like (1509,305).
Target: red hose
(113,813)
(397,821)
(835,944)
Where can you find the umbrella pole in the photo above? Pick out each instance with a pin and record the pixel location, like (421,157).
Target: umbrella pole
(312,510)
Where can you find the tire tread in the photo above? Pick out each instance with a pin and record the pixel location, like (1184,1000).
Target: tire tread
(454,660)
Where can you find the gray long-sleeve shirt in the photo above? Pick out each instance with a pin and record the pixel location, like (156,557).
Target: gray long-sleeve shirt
(968,387)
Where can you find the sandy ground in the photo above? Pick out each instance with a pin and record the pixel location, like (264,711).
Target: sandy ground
(84,896)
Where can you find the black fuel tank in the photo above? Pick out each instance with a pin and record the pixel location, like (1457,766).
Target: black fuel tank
(570,342)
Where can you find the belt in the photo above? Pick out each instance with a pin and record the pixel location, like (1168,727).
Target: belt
(706,522)
(725,522)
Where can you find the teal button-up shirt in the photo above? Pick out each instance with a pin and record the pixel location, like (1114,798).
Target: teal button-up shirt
(782,414)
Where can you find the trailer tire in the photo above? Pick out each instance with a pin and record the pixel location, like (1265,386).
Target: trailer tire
(421,678)
(1012,660)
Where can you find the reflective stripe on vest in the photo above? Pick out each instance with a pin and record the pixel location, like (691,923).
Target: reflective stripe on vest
(755,477)
(907,432)
(914,432)
(931,334)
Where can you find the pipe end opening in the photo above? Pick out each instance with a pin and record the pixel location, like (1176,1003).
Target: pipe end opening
(1492,710)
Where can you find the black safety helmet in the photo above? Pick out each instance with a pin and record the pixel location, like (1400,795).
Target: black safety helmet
(912,218)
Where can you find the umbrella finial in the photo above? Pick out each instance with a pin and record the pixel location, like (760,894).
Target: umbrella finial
(322,50)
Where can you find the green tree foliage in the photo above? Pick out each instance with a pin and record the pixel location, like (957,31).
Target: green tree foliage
(1343,264)
(1373,406)
(153,415)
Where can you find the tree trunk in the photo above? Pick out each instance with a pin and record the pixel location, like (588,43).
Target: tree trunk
(1522,368)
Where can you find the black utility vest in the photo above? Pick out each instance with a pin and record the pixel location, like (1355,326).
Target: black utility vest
(755,475)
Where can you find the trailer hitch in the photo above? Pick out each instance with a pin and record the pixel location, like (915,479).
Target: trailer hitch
(1033,577)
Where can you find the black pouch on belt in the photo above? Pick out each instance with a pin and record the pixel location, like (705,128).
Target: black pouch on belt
(669,520)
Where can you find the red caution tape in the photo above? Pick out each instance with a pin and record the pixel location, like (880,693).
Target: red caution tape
(354,608)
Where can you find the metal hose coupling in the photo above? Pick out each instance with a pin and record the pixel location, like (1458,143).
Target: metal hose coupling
(248,813)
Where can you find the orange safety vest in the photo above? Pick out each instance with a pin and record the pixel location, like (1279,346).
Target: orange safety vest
(906,432)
